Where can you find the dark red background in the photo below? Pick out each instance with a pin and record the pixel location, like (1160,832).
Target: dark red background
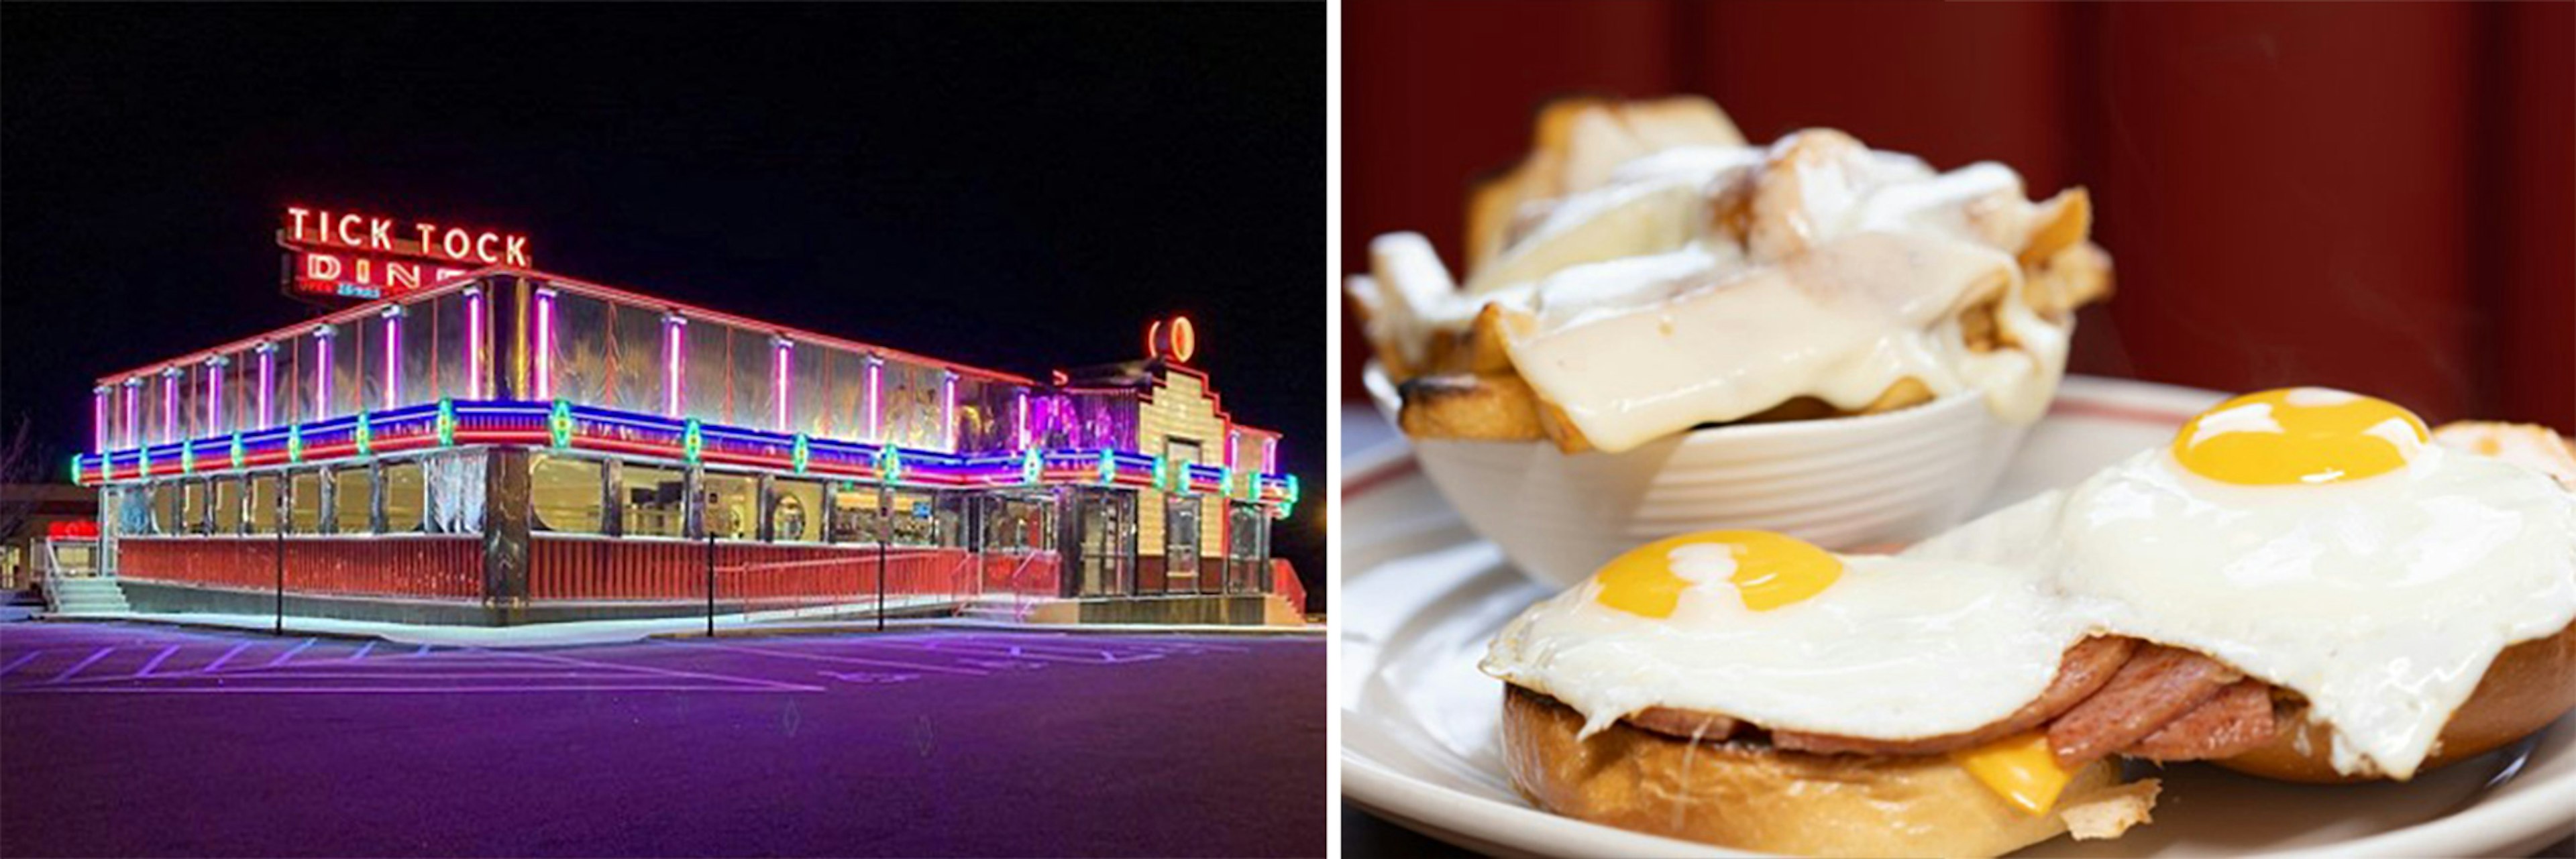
(2372,197)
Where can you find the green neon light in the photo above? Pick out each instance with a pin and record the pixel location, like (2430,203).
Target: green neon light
(889,464)
(1162,474)
(1293,494)
(295,443)
(559,425)
(801,455)
(1108,467)
(76,469)
(236,450)
(446,422)
(365,435)
(693,441)
(1032,468)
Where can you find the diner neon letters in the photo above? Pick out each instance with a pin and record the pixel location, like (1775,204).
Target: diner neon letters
(419,238)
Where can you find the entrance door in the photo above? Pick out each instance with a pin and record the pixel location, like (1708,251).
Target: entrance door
(1180,543)
(1106,542)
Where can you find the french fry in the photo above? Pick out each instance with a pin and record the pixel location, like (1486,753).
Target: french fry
(2075,276)
(1468,406)
(1677,121)
(2060,223)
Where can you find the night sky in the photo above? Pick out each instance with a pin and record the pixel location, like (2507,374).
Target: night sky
(1021,188)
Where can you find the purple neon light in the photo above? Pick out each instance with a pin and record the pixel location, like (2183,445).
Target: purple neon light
(170,405)
(215,395)
(322,372)
(474,344)
(1021,397)
(671,345)
(98,420)
(782,354)
(393,356)
(267,381)
(133,410)
(545,344)
(948,408)
(875,406)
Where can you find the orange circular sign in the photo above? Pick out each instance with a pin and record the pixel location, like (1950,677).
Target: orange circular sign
(1175,340)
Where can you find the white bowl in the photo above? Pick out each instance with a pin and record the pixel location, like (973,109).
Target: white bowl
(1841,483)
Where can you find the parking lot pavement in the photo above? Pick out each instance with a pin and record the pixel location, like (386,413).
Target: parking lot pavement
(142,740)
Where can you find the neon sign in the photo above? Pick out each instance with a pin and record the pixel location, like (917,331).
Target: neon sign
(357,255)
(1175,341)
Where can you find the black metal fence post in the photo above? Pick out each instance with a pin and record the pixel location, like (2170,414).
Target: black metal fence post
(711,584)
(280,627)
(885,535)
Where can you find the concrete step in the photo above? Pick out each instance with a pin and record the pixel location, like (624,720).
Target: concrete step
(86,596)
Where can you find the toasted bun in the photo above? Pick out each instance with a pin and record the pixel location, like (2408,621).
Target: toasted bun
(2528,686)
(1754,797)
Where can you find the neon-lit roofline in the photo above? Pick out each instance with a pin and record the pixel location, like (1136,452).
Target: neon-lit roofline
(370,308)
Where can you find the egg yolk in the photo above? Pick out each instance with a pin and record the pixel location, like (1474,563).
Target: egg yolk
(2020,769)
(2299,435)
(1768,570)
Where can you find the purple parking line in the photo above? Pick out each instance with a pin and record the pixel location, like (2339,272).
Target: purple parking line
(289,654)
(14,663)
(75,669)
(227,657)
(156,662)
(670,672)
(851,660)
(362,652)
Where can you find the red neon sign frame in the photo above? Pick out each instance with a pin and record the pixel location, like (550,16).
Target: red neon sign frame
(355,255)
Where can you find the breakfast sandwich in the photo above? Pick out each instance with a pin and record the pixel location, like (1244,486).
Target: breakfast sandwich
(2306,584)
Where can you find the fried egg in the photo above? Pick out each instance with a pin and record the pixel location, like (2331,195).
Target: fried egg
(2314,539)
(1776,631)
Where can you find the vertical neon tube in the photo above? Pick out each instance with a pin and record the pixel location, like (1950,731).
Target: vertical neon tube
(133,410)
(948,409)
(215,394)
(781,355)
(875,406)
(473,342)
(1021,399)
(393,355)
(170,405)
(267,383)
(673,326)
(98,419)
(545,344)
(322,372)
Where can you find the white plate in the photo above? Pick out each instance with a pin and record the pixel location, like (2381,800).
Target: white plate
(1421,595)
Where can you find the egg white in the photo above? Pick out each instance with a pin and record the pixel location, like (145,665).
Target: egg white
(2382,600)
(1894,649)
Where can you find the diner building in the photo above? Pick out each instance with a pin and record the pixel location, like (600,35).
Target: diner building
(508,446)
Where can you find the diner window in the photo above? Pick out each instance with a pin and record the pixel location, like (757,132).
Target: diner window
(227,492)
(652,501)
(304,502)
(796,511)
(132,507)
(731,500)
(263,503)
(565,493)
(854,513)
(353,502)
(455,491)
(1011,522)
(406,496)
(192,507)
